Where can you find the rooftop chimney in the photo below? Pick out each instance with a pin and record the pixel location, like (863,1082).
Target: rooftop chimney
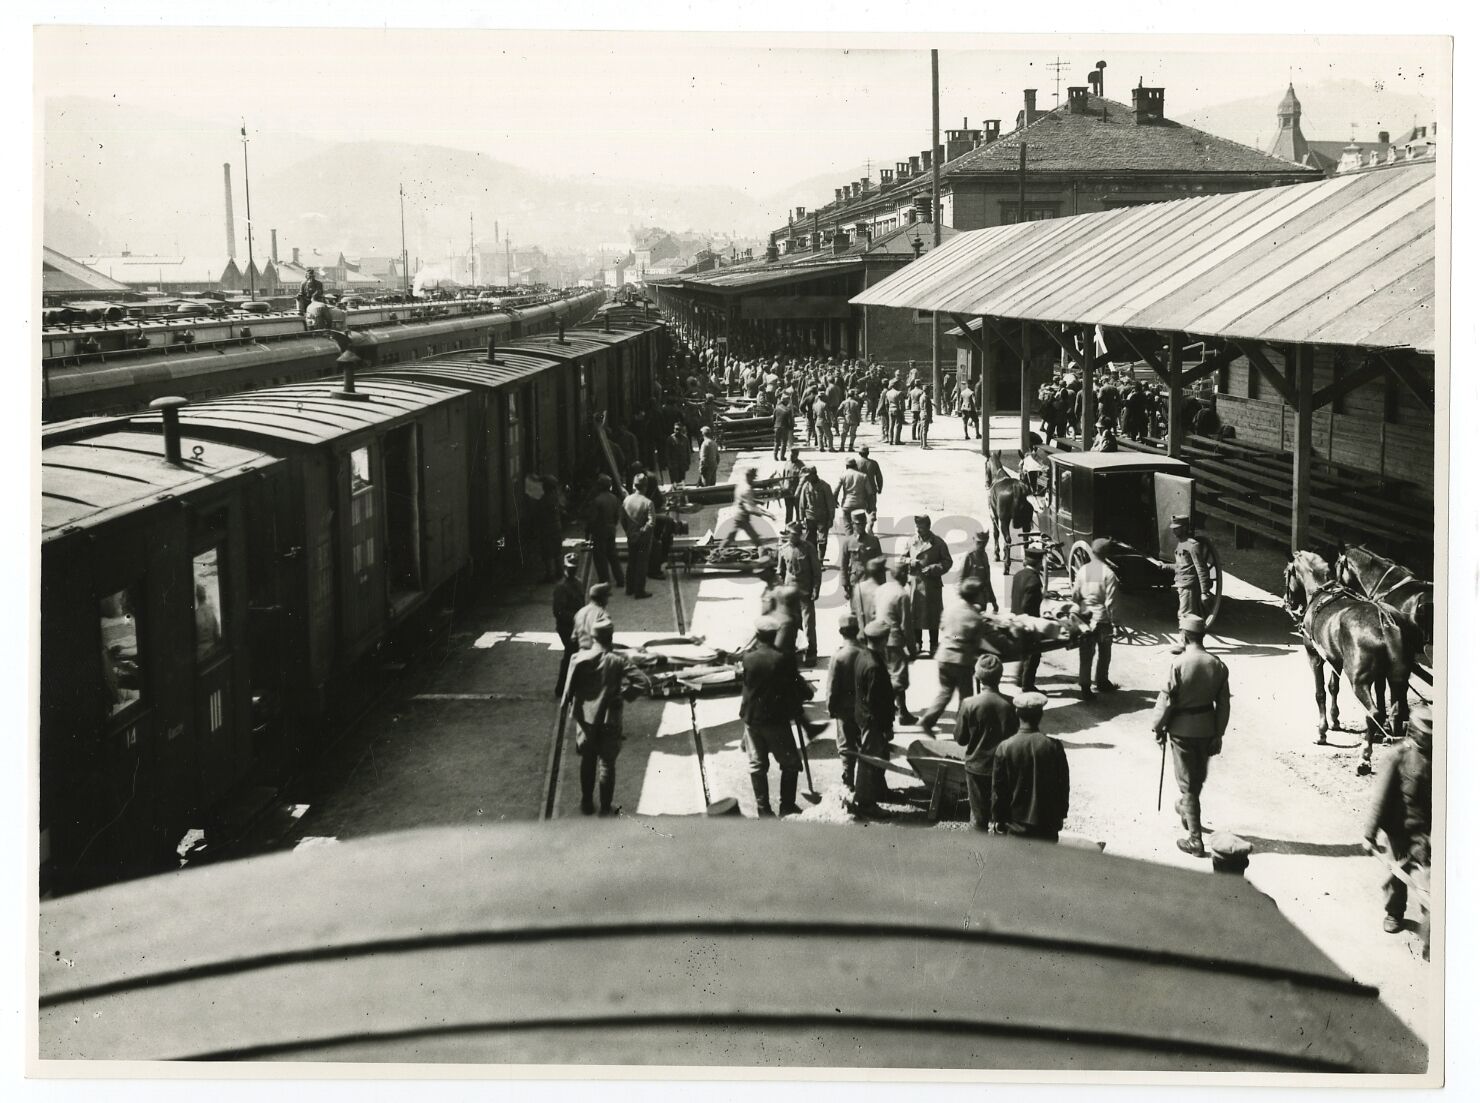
(991,131)
(169,409)
(801,212)
(1096,79)
(914,166)
(350,359)
(230,216)
(1078,99)
(886,178)
(837,195)
(863,183)
(1030,105)
(1148,102)
(772,254)
(901,170)
(924,160)
(295,254)
(922,208)
(492,348)
(1384,138)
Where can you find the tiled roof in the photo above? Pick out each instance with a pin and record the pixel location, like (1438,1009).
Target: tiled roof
(1106,138)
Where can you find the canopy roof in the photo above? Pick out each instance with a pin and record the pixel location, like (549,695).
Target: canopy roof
(1347,261)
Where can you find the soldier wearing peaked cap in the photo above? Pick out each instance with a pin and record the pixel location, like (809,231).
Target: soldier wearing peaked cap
(874,714)
(859,547)
(1030,777)
(597,598)
(565,604)
(842,693)
(1095,587)
(599,683)
(770,705)
(1192,711)
(1027,600)
(984,720)
(1190,572)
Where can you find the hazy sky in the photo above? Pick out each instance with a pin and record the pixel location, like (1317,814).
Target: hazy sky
(754,111)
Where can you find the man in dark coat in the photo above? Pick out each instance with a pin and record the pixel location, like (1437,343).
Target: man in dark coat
(782,422)
(871,468)
(566,602)
(842,693)
(977,565)
(929,553)
(874,712)
(678,454)
(984,721)
(800,568)
(1404,811)
(598,685)
(859,547)
(639,519)
(771,704)
(1030,777)
(602,518)
(1027,600)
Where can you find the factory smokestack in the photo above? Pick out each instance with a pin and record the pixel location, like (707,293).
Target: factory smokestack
(274,247)
(230,215)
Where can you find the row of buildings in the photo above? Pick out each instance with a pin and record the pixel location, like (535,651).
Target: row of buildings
(272,276)
(1091,153)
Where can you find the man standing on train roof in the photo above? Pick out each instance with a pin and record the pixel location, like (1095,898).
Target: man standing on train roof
(1094,589)
(639,520)
(929,553)
(799,567)
(317,315)
(1192,711)
(842,693)
(602,518)
(983,721)
(566,602)
(978,566)
(1190,572)
(678,454)
(1030,777)
(308,289)
(1027,601)
(708,457)
(599,684)
(854,492)
(587,615)
(955,660)
(770,705)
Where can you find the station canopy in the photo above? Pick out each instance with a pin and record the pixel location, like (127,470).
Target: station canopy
(1345,261)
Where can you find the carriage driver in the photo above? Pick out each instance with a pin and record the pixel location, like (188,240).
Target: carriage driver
(1192,710)
(1193,582)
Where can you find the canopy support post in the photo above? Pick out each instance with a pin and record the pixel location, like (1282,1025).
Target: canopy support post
(988,350)
(1175,428)
(1025,407)
(1304,358)
(1087,387)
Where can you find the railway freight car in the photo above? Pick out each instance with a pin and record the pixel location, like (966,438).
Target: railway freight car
(157,560)
(120,366)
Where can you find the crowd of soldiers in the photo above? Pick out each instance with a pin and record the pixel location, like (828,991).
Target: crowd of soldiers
(1125,408)
(1017,776)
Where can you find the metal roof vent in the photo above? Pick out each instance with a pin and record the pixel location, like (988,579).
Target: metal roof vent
(169,409)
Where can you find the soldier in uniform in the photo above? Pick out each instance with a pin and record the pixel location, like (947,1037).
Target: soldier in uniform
(1404,811)
(781,426)
(599,683)
(587,615)
(708,457)
(799,568)
(1192,711)
(638,519)
(978,566)
(679,454)
(602,518)
(874,698)
(866,593)
(929,553)
(850,413)
(960,632)
(854,492)
(566,603)
(1030,777)
(842,693)
(770,705)
(871,468)
(816,508)
(1194,584)
(859,547)
(892,606)
(983,722)
(1094,589)
(1027,600)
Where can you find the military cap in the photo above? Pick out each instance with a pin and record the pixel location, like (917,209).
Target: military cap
(922,519)
(1030,702)
(602,626)
(811,470)
(863,451)
(1193,623)
(1230,852)
(572,559)
(848,623)
(851,462)
(767,625)
(1100,545)
(1033,552)
(1180,519)
(988,666)
(983,536)
(600,589)
(725,806)
(877,630)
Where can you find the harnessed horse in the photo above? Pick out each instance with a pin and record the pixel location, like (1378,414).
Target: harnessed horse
(1383,580)
(1372,644)
(1010,506)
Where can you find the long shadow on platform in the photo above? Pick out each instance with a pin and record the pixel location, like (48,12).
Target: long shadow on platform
(1310,850)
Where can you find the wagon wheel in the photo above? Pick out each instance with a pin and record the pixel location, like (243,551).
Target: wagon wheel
(1215,577)
(1079,555)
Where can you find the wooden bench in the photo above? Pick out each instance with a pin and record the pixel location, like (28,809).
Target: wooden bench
(1244,520)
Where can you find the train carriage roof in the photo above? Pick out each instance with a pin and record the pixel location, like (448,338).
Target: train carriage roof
(86,481)
(310,413)
(577,343)
(677,940)
(470,368)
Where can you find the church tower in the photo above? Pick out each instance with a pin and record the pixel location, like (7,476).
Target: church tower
(1289,142)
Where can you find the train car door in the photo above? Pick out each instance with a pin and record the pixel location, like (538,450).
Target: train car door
(513,461)
(403,513)
(1174,496)
(214,633)
(361,560)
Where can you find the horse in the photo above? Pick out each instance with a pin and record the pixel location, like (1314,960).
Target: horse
(1372,644)
(1363,570)
(1009,505)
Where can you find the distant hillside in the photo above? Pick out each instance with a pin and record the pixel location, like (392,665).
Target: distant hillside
(152,182)
(1329,110)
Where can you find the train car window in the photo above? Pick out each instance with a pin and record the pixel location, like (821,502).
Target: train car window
(359,470)
(123,674)
(206,567)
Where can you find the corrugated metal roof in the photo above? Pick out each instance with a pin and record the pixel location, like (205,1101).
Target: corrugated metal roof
(308,413)
(469,369)
(1347,261)
(83,480)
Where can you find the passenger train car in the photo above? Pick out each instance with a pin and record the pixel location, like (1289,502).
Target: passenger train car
(114,363)
(213,572)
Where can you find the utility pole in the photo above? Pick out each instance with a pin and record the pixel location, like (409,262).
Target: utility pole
(247,179)
(935,215)
(472,254)
(405,271)
(1058,66)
